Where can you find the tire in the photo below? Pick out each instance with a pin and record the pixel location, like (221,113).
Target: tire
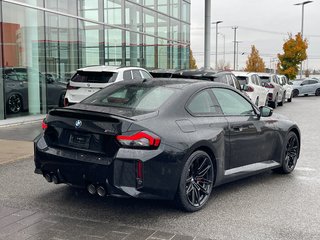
(291,96)
(14,103)
(61,100)
(274,104)
(290,154)
(295,93)
(283,99)
(317,93)
(196,182)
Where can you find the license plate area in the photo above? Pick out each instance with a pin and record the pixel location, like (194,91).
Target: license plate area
(79,140)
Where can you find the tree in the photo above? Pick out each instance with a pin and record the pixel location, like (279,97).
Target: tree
(255,63)
(307,73)
(193,64)
(295,51)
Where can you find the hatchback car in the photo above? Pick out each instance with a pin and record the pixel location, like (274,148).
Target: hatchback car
(164,139)
(251,84)
(306,87)
(276,93)
(89,80)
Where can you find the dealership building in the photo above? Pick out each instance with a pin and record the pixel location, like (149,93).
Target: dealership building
(43,42)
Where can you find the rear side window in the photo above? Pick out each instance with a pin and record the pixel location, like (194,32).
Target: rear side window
(202,104)
(127,75)
(136,74)
(145,74)
(94,77)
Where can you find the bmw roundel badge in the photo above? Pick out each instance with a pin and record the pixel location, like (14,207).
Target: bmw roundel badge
(78,124)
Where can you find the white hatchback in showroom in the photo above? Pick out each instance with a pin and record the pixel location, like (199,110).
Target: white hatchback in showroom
(251,84)
(89,80)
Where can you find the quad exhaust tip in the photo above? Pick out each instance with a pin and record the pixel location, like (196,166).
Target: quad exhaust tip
(48,177)
(101,191)
(55,179)
(91,189)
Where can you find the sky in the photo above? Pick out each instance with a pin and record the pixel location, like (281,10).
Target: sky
(263,23)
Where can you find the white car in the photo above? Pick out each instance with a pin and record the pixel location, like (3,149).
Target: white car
(89,80)
(276,93)
(287,85)
(251,84)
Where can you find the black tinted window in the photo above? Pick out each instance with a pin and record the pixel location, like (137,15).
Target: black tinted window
(202,104)
(313,81)
(94,77)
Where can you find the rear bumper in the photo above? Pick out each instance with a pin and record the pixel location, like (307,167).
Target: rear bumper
(118,175)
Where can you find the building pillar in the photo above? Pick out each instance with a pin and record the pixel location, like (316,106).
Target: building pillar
(31,42)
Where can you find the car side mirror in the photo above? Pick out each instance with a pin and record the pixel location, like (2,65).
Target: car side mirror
(301,84)
(265,111)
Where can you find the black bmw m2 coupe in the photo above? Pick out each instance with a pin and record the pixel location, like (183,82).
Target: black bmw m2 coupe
(164,139)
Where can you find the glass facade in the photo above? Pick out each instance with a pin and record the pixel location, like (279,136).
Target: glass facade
(43,42)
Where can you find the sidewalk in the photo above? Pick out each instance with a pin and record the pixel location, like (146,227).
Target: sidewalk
(16,224)
(14,150)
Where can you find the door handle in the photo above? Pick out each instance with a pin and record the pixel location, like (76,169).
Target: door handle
(237,128)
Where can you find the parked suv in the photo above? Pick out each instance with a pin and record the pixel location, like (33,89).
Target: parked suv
(89,80)
(287,85)
(276,93)
(223,77)
(251,84)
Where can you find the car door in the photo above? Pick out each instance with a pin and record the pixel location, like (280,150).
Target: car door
(251,139)
(304,87)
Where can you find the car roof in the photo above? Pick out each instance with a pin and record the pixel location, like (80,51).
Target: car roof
(242,74)
(180,83)
(103,68)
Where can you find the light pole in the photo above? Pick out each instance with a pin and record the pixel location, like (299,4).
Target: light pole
(237,65)
(224,48)
(216,23)
(302,21)
(234,47)
(207,33)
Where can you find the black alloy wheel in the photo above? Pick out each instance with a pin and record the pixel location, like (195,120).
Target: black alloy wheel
(14,103)
(317,92)
(290,154)
(196,182)
(295,93)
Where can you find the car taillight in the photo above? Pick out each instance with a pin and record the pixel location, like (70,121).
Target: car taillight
(44,124)
(268,85)
(65,102)
(139,140)
(69,87)
(249,89)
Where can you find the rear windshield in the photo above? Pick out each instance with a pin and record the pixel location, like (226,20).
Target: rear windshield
(94,77)
(136,97)
(265,79)
(242,80)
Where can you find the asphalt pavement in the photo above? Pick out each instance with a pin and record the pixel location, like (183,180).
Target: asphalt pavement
(265,206)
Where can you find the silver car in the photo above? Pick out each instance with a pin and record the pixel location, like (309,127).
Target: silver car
(309,86)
